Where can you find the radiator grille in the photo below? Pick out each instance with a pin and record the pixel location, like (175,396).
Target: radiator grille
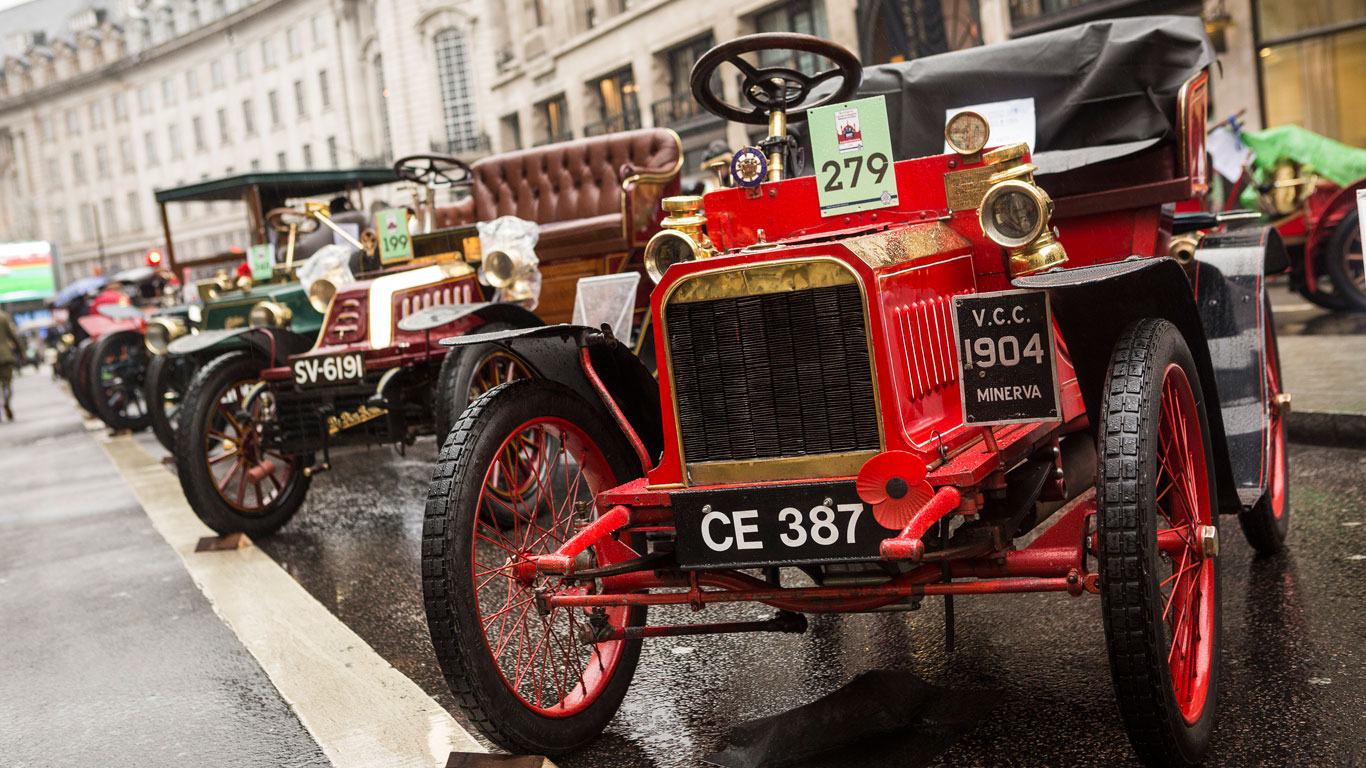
(772,376)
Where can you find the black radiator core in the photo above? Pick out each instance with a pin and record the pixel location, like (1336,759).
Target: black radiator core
(782,374)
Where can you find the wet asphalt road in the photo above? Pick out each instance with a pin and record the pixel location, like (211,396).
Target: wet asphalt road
(1294,656)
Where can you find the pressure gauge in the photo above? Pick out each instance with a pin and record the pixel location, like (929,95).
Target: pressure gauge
(966,133)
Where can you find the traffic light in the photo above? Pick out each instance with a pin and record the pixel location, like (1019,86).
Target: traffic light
(154,258)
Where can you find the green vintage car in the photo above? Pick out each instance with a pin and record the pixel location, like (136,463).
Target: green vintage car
(239,313)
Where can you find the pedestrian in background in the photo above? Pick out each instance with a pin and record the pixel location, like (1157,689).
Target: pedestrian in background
(11,351)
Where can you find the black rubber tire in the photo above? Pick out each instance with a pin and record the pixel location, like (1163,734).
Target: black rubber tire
(80,378)
(449,594)
(1346,235)
(191,455)
(457,370)
(1262,529)
(135,374)
(1128,558)
(167,375)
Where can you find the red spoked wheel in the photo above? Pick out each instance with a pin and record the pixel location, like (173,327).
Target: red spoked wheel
(1266,524)
(233,482)
(532,678)
(1158,544)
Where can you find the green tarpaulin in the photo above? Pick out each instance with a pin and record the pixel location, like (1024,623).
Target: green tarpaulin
(1330,159)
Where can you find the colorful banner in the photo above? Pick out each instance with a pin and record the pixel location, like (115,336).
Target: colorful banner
(26,271)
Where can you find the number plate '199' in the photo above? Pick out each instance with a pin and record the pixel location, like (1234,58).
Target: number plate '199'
(329,369)
(786,524)
(1005,354)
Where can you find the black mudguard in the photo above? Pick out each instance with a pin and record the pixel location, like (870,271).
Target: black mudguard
(1230,291)
(273,344)
(1093,305)
(552,352)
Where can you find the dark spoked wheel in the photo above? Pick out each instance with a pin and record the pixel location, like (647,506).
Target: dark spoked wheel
(168,379)
(1159,577)
(118,364)
(1267,523)
(80,375)
(232,481)
(1343,262)
(468,372)
(529,681)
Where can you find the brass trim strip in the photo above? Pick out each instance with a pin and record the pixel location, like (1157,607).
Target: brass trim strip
(780,468)
(788,276)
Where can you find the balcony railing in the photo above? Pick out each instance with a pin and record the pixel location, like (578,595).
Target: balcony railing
(480,146)
(624,121)
(680,110)
(553,139)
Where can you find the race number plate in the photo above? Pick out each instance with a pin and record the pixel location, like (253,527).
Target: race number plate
(775,525)
(1005,351)
(329,369)
(852,151)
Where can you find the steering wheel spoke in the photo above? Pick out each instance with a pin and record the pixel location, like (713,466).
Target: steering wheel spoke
(434,170)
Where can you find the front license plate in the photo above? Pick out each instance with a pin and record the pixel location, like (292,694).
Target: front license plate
(329,369)
(1005,353)
(775,525)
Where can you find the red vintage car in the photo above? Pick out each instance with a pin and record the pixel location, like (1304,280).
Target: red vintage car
(997,382)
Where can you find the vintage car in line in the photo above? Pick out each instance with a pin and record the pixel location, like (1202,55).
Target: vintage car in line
(259,424)
(988,377)
(230,298)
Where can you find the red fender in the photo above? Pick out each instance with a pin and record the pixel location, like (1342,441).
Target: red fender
(97,325)
(1328,217)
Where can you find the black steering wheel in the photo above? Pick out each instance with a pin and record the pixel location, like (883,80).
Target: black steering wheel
(434,170)
(769,89)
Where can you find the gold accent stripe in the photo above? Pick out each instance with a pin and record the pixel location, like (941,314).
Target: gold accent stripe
(760,280)
(782,468)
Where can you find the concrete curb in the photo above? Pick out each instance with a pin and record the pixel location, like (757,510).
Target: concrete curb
(1344,430)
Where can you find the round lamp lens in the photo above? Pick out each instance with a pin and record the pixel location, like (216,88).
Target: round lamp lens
(1015,214)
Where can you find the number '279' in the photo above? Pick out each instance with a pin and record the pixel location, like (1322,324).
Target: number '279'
(877,165)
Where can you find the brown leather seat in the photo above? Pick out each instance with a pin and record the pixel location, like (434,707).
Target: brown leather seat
(593,196)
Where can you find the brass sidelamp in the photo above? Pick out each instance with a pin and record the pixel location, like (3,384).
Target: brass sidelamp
(1015,213)
(683,237)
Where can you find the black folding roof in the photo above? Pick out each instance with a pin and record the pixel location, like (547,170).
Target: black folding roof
(282,185)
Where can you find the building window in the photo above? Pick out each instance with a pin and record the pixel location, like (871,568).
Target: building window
(216,73)
(191,83)
(292,43)
(256,165)
(120,107)
(150,147)
(96,116)
(319,31)
(73,127)
(223,127)
(384,107)
(243,65)
(679,105)
(324,95)
(87,222)
(59,230)
(457,100)
(553,120)
(510,126)
(308,157)
(126,161)
(77,168)
(798,16)
(197,128)
(134,212)
(1312,57)
(300,100)
(173,138)
(45,129)
(281,161)
(145,99)
(167,93)
(617,108)
(273,101)
(111,219)
(54,173)
(102,161)
(267,54)
(332,156)
(248,118)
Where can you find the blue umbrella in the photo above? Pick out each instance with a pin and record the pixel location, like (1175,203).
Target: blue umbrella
(82,287)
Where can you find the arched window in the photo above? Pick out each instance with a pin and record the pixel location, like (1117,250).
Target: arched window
(457,97)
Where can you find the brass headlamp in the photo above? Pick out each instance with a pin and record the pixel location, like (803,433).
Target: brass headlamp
(683,237)
(320,293)
(1015,215)
(212,288)
(161,331)
(269,313)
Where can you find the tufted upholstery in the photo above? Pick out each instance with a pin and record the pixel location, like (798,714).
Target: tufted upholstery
(573,190)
